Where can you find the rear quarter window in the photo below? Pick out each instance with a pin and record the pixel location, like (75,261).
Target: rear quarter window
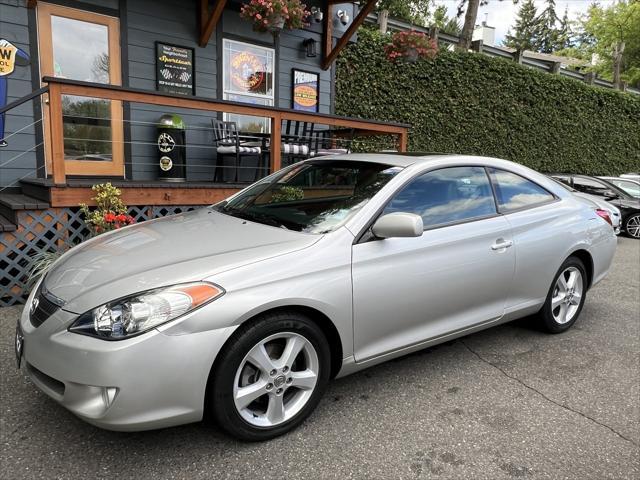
(514,192)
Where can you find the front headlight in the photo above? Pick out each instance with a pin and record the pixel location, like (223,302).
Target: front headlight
(141,312)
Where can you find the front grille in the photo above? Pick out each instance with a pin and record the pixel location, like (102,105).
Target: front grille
(44,309)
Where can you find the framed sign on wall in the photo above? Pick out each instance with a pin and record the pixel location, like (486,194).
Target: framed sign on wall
(305,93)
(175,67)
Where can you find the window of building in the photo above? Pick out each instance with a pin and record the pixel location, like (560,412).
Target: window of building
(248,78)
(514,192)
(448,195)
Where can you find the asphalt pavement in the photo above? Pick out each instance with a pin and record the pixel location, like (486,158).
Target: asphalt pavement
(509,402)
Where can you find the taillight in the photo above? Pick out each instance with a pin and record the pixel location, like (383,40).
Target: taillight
(604,214)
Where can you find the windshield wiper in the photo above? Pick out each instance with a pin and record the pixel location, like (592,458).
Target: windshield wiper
(253,217)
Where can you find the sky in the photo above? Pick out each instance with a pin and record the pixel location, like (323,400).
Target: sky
(502,14)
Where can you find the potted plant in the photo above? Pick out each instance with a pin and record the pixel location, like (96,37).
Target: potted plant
(110,213)
(410,46)
(275,15)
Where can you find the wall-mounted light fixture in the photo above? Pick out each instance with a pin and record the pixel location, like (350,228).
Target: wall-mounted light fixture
(317,14)
(343,16)
(310,47)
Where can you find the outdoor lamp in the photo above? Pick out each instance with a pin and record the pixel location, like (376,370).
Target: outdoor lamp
(310,47)
(343,16)
(317,14)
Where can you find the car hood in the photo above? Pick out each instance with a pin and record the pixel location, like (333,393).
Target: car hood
(166,251)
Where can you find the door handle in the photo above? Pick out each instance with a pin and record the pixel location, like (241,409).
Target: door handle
(503,244)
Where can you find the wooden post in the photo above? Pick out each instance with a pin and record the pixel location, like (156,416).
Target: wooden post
(555,67)
(403,140)
(589,77)
(518,56)
(433,33)
(56,135)
(476,45)
(276,127)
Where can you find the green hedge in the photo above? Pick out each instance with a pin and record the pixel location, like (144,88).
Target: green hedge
(474,104)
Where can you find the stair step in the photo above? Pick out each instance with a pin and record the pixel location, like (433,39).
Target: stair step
(6,225)
(12,203)
(36,188)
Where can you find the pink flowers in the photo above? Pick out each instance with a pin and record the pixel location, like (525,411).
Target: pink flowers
(275,14)
(411,45)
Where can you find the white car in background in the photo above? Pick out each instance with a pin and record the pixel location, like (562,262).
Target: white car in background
(632,176)
(598,202)
(629,185)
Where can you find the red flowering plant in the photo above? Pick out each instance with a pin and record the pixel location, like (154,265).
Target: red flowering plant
(110,213)
(274,15)
(411,45)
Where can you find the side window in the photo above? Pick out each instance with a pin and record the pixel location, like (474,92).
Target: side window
(588,185)
(514,192)
(445,196)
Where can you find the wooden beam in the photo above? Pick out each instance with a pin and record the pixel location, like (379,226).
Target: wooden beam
(327,31)
(57,134)
(208,25)
(342,41)
(275,146)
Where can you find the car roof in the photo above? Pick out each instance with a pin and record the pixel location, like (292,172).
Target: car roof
(392,158)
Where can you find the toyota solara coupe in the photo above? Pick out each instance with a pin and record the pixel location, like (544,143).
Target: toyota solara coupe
(243,311)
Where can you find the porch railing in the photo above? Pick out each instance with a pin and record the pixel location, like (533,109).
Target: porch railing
(57,88)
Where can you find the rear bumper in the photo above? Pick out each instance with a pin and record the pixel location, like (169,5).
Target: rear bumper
(151,381)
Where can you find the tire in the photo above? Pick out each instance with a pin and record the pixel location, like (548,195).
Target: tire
(551,317)
(632,226)
(280,394)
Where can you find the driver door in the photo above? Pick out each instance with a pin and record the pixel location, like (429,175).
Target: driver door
(456,275)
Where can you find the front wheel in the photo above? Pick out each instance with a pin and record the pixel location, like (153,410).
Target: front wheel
(632,226)
(565,298)
(270,377)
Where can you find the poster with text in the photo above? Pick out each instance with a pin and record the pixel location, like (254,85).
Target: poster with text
(174,69)
(305,91)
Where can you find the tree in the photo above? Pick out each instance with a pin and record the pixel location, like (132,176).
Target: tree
(413,11)
(526,28)
(565,33)
(547,35)
(615,31)
(470,16)
(443,22)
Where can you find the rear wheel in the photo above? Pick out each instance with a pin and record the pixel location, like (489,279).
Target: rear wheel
(270,377)
(632,226)
(565,298)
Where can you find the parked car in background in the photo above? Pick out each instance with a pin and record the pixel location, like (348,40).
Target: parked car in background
(633,176)
(629,185)
(322,269)
(629,206)
(596,202)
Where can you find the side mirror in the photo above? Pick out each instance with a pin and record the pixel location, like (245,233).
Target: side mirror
(610,195)
(398,224)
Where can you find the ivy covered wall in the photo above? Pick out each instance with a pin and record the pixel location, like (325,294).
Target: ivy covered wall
(474,104)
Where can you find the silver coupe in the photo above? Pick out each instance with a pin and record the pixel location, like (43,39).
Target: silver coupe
(243,311)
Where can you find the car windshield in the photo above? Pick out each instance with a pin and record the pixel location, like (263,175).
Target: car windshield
(631,188)
(312,197)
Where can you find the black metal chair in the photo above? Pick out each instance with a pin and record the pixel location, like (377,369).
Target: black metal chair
(297,138)
(245,154)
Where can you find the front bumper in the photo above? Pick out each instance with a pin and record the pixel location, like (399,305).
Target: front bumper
(154,380)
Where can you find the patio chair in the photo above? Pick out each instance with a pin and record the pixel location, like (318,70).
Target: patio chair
(244,154)
(325,143)
(296,141)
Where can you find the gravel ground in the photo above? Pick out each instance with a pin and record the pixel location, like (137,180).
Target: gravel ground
(509,402)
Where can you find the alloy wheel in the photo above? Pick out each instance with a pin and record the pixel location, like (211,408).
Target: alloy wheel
(276,379)
(567,294)
(633,226)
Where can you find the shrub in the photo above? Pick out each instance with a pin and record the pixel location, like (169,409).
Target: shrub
(110,213)
(472,104)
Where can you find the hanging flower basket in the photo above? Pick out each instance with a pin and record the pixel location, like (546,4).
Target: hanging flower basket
(275,15)
(410,46)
